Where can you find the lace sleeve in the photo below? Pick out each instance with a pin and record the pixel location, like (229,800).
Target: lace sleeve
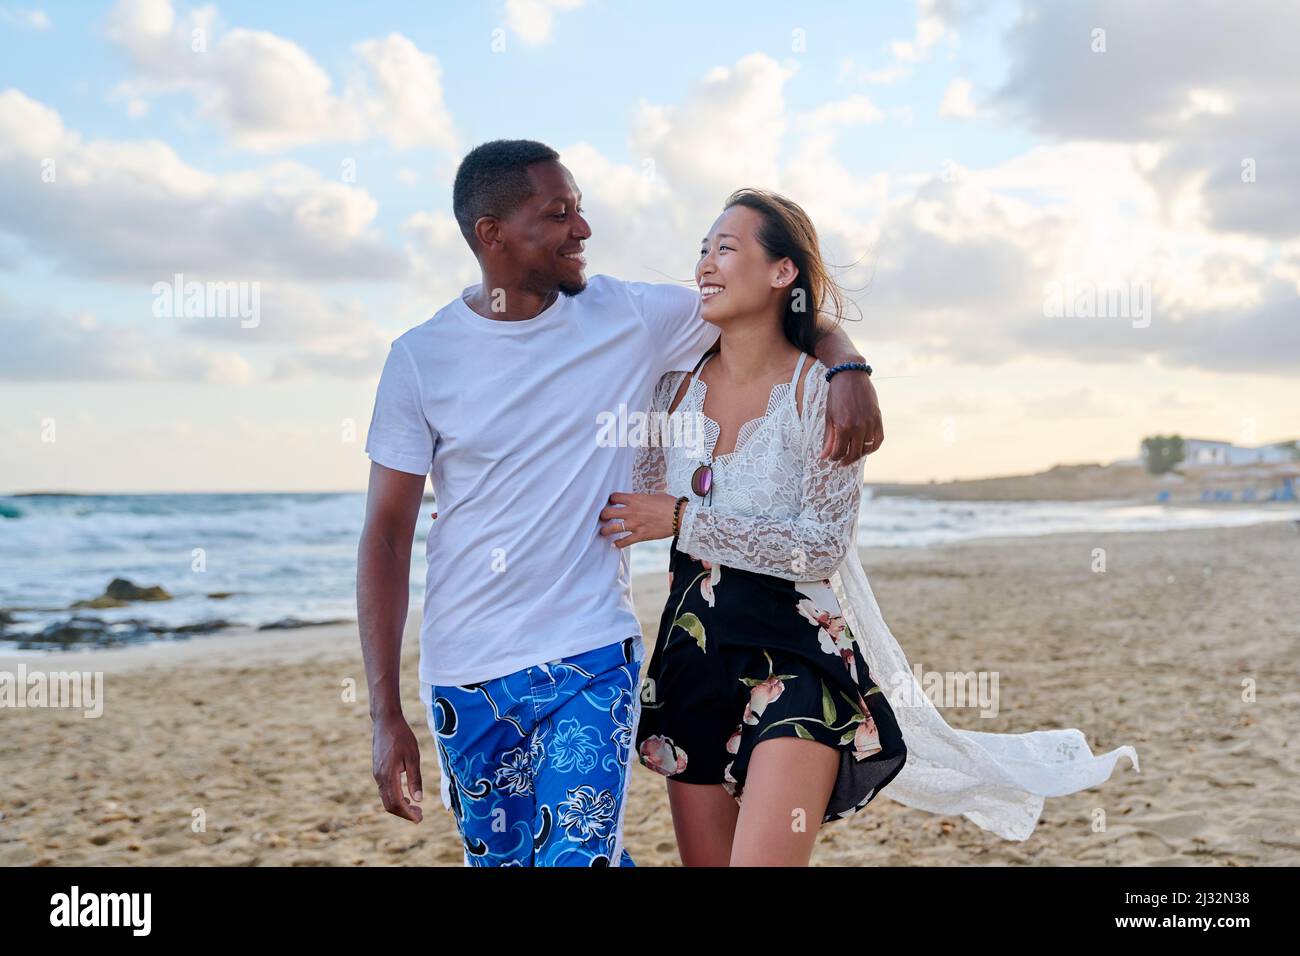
(803,548)
(649,468)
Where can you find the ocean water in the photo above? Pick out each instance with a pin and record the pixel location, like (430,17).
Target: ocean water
(294,555)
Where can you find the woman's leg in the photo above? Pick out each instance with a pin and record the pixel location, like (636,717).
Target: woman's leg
(704,819)
(787,787)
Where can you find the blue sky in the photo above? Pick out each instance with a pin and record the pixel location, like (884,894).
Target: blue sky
(964,153)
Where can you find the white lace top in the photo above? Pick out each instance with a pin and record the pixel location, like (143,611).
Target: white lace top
(776,507)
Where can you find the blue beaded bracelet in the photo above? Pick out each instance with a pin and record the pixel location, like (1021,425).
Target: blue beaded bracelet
(860,366)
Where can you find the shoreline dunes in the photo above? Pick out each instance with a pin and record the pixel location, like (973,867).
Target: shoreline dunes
(254,747)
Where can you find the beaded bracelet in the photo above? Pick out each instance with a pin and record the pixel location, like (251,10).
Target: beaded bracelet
(677,514)
(859,366)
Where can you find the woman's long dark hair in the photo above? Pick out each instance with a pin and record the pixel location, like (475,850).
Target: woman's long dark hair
(787,231)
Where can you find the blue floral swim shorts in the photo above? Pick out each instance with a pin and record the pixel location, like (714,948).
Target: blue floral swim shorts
(535,765)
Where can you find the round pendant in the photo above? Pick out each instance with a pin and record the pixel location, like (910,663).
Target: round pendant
(702,480)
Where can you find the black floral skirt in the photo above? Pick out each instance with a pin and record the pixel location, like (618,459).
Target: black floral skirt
(742,657)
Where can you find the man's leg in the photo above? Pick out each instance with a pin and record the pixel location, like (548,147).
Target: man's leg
(587,731)
(487,755)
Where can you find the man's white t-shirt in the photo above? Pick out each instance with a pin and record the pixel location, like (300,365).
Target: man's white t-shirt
(505,417)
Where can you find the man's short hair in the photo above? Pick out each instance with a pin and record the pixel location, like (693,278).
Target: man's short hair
(493,180)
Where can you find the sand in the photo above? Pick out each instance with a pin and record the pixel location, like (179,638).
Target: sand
(250,732)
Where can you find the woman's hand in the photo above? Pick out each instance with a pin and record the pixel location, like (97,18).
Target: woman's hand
(644,517)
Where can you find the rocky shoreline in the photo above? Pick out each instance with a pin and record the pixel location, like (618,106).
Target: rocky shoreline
(81,631)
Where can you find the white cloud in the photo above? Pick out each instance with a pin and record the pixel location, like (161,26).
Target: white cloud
(268,93)
(855,110)
(956,100)
(851,71)
(134,210)
(298,333)
(727,133)
(406,102)
(1214,84)
(42,345)
(933,26)
(958,270)
(290,314)
(533,21)
(961,270)
(440,262)
(358,358)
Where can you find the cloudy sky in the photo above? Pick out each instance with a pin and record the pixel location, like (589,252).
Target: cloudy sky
(1064,226)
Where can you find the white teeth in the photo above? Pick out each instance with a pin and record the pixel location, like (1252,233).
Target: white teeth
(708,290)
(574,255)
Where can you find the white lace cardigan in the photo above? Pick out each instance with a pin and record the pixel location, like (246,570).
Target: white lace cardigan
(779,509)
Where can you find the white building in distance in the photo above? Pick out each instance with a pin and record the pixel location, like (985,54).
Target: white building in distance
(1199,451)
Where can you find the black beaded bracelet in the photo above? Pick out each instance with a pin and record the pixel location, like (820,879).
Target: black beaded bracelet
(859,366)
(677,515)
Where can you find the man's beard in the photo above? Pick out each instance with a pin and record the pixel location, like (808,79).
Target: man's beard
(570,289)
(545,284)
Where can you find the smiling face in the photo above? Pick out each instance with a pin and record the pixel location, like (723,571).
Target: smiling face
(542,240)
(734,273)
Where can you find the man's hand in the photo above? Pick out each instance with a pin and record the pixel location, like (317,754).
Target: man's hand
(646,517)
(396,750)
(383,569)
(853,424)
(854,427)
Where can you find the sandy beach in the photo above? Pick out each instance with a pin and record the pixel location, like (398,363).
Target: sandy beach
(252,734)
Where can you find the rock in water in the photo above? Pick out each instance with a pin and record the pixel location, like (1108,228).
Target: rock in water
(124,590)
(120,592)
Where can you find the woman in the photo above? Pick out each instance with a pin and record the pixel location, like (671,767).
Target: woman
(752,647)
(760,703)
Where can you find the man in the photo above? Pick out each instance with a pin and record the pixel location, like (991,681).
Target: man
(530,650)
